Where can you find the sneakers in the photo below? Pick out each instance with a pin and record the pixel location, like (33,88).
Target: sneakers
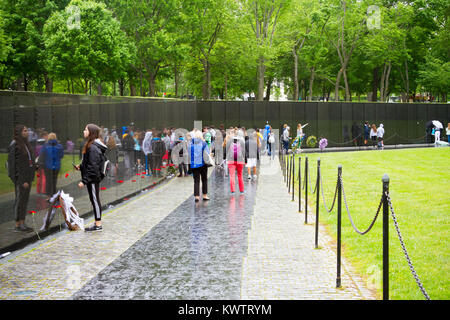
(93,228)
(254,176)
(249,177)
(22,228)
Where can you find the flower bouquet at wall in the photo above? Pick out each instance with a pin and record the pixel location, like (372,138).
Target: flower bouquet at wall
(311,141)
(323,144)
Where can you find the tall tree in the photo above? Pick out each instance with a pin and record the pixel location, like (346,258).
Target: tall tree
(86,43)
(264,16)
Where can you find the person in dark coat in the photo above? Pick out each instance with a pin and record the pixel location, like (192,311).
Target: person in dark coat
(91,171)
(21,170)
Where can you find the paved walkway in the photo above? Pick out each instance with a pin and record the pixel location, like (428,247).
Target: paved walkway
(282,262)
(163,245)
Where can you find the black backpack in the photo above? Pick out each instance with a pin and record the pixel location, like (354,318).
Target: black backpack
(158,148)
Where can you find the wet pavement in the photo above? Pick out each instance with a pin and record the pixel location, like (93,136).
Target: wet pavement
(196,252)
(163,245)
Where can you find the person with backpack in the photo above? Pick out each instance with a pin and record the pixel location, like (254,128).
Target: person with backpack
(235,153)
(21,168)
(158,151)
(92,171)
(51,154)
(196,151)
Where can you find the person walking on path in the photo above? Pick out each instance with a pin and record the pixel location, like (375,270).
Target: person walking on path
(21,168)
(51,154)
(235,150)
(197,148)
(91,171)
(252,148)
(285,137)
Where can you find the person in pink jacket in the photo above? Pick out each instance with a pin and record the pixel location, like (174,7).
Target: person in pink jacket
(235,153)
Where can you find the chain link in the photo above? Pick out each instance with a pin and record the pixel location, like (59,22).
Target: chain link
(408,259)
(323,196)
(350,217)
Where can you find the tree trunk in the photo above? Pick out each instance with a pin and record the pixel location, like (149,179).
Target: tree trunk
(261,72)
(296,90)
(151,86)
(386,79)
(311,82)
(175,71)
(99,88)
(206,79)
(140,83)
(132,89)
(336,85)
(225,94)
(25,82)
(121,86)
(269,88)
(86,86)
(347,89)
(374,84)
(48,83)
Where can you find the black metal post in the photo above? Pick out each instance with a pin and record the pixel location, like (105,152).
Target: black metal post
(289,174)
(317,202)
(299,184)
(306,190)
(338,277)
(385,180)
(293,176)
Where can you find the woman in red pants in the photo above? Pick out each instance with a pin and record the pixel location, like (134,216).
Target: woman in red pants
(235,146)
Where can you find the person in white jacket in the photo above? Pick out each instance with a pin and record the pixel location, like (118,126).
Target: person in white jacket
(147,148)
(380,135)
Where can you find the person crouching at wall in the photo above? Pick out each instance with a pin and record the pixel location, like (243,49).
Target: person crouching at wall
(90,167)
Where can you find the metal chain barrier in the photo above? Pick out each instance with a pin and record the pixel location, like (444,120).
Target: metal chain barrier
(408,259)
(350,217)
(315,188)
(323,196)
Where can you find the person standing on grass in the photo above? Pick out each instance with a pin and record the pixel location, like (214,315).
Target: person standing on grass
(21,168)
(52,152)
(197,148)
(91,171)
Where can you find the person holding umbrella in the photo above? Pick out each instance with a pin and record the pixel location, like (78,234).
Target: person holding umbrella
(437,130)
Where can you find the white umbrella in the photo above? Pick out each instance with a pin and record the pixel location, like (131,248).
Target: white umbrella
(437,124)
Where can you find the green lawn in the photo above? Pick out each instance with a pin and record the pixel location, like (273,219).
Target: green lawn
(7,186)
(419,189)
